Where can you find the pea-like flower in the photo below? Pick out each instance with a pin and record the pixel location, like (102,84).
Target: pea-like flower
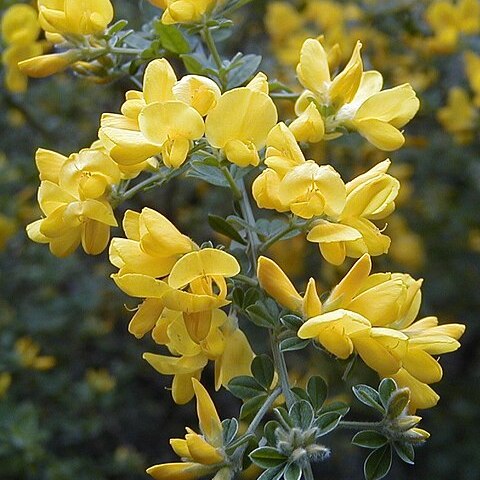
(202,453)
(352,100)
(162,119)
(240,122)
(184,11)
(88,17)
(73,196)
(373,315)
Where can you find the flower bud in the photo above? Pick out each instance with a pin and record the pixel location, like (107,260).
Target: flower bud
(46,65)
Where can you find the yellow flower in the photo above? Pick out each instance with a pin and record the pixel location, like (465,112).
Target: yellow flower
(158,263)
(20,25)
(87,17)
(202,454)
(291,183)
(459,116)
(472,68)
(184,11)
(374,316)
(88,174)
(28,353)
(194,339)
(15,80)
(240,122)
(164,118)
(352,99)
(70,220)
(46,65)
(369,196)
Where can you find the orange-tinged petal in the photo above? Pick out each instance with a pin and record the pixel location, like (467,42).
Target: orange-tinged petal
(201,451)
(178,471)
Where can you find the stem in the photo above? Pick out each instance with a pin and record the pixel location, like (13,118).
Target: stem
(249,217)
(247,280)
(307,470)
(125,51)
(208,39)
(263,411)
(284,96)
(281,367)
(277,237)
(231,181)
(360,425)
(140,186)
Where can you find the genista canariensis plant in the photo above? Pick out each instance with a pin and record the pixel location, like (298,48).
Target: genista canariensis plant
(200,114)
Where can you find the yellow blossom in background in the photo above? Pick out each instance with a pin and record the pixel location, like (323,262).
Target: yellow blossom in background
(449,20)
(20,30)
(100,380)
(20,25)
(472,68)
(353,99)
(8,228)
(28,351)
(240,122)
(202,454)
(459,117)
(5,382)
(73,17)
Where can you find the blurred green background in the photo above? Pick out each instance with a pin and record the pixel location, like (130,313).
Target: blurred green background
(76,399)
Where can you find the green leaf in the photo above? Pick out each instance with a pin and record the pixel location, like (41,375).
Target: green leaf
(220,225)
(263,370)
(208,173)
(230,430)
(317,391)
(292,472)
(116,27)
(386,388)
(272,473)
(238,296)
(327,422)
(267,457)
(302,414)
(269,431)
(196,63)
(245,387)
(293,343)
(172,38)
(283,417)
(341,408)
(378,463)
(260,316)
(293,322)
(398,402)
(300,393)
(369,439)
(251,296)
(405,451)
(369,396)
(245,69)
(252,406)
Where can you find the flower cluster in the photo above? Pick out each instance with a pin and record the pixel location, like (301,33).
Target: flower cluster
(352,100)
(290,183)
(183,288)
(375,316)
(73,196)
